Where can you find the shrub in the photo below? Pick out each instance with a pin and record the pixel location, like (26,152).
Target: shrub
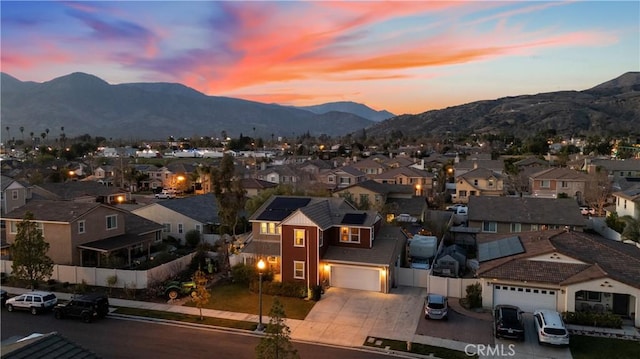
(281,289)
(244,274)
(192,238)
(604,320)
(474,295)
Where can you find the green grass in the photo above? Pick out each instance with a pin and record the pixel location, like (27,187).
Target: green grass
(228,323)
(238,298)
(586,347)
(418,348)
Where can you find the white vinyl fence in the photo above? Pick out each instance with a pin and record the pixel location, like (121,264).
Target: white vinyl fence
(134,279)
(451,287)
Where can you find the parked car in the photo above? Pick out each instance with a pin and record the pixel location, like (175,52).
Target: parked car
(507,322)
(404,217)
(86,307)
(436,306)
(166,194)
(35,302)
(586,211)
(3,296)
(550,327)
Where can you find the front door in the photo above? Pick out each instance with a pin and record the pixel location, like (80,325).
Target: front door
(620,304)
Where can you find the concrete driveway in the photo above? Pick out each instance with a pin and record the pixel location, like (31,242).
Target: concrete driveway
(530,347)
(347,317)
(459,327)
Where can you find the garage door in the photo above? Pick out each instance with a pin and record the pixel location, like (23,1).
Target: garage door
(527,298)
(355,278)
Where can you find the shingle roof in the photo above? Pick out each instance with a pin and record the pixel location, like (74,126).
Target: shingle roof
(202,208)
(406,171)
(632,194)
(480,173)
(560,173)
(531,210)
(382,188)
(386,245)
(75,189)
(52,345)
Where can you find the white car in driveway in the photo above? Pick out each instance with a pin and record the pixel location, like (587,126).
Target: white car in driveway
(550,328)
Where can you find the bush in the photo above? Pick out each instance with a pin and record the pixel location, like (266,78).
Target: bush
(604,320)
(474,295)
(192,238)
(281,289)
(243,274)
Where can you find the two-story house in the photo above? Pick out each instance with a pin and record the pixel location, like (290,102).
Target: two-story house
(343,177)
(478,182)
(462,167)
(556,182)
(81,191)
(628,202)
(87,233)
(314,241)
(14,194)
(421,181)
(371,166)
(523,214)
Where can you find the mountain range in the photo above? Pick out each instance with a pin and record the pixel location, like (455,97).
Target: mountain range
(86,104)
(610,108)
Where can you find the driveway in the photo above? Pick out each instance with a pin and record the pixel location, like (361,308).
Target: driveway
(347,317)
(530,347)
(459,327)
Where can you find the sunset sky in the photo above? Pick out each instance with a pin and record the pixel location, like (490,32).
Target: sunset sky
(404,57)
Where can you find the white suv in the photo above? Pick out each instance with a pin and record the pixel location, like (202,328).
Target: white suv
(35,302)
(550,327)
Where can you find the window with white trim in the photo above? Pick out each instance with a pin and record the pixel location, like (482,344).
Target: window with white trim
(13,227)
(269,228)
(299,237)
(82,226)
(166,227)
(199,228)
(349,235)
(14,194)
(112,221)
(545,184)
(489,226)
(516,227)
(180,228)
(298,269)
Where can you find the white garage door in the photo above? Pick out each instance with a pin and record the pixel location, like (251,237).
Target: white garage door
(355,278)
(527,298)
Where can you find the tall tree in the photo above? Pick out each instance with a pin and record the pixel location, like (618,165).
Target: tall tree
(598,190)
(29,252)
(276,344)
(231,198)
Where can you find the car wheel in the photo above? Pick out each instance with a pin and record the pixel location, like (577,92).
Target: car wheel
(34,310)
(57,314)
(86,317)
(173,294)
(10,308)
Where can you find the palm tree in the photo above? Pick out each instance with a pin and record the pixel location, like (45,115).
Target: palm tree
(8,134)
(22,133)
(47,132)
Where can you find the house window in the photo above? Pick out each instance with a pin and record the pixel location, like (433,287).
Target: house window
(625,204)
(516,227)
(298,237)
(349,235)
(13,227)
(475,182)
(269,228)
(199,228)
(564,184)
(81,226)
(489,227)
(588,296)
(298,269)
(545,184)
(112,222)
(180,228)
(462,194)
(166,227)
(534,227)
(491,183)
(331,179)
(345,180)
(14,194)
(473,193)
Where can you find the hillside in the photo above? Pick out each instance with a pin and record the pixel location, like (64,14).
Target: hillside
(85,104)
(350,107)
(612,107)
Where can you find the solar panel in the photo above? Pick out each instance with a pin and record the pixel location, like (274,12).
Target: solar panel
(281,207)
(354,218)
(499,249)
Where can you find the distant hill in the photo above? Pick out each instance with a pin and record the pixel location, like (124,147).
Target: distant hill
(350,107)
(86,104)
(612,108)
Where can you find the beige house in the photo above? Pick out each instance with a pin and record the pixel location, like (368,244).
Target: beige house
(628,203)
(421,181)
(14,194)
(478,182)
(87,234)
(557,181)
(561,270)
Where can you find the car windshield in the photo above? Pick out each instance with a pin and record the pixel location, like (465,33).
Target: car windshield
(436,305)
(49,297)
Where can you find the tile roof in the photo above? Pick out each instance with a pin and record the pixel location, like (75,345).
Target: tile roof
(535,271)
(618,165)
(531,210)
(54,211)
(480,172)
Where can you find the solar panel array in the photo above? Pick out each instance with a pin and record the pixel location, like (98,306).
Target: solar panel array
(281,207)
(354,218)
(499,249)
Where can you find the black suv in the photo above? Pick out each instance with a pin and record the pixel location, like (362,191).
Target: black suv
(507,322)
(86,307)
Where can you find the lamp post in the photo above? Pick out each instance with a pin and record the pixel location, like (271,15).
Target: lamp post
(261,266)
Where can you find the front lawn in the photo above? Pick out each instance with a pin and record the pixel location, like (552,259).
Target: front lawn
(417,348)
(238,298)
(188,318)
(586,347)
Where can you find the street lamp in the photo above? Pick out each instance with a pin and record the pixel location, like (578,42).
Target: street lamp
(261,266)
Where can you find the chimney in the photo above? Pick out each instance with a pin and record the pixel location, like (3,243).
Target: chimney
(475,165)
